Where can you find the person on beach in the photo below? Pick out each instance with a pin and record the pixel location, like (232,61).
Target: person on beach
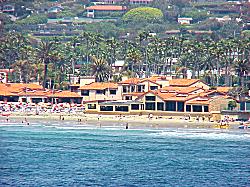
(197,118)
(203,118)
(7,118)
(209,117)
(126,126)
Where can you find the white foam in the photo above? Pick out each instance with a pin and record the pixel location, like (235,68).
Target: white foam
(216,135)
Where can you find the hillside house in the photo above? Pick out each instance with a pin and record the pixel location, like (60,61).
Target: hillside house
(8,9)
(138,2)
(4,73)
(55,9)
(102,10)
(185,21)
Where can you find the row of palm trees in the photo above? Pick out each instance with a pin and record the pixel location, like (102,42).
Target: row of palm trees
(217,62)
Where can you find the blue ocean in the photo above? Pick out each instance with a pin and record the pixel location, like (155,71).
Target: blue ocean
(46,154)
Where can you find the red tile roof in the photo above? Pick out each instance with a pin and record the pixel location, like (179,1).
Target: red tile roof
(180,89)
(106,7)
(33,93)
(223,89)
(134,93)
(181,97)
(183,82)
(130,81)
(63,94)
(14,88)
(199,100)
(7,70)
(208,92)
(99,86)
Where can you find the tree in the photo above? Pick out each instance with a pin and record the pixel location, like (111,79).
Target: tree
(143,14)
(232,104)
(46,53)
(100,69)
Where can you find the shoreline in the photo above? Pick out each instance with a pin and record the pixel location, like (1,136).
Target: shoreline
(106,120)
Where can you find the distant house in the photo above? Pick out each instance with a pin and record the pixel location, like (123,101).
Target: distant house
(185,21)
(102,9)
(55,9)
(223,19)
(8,8)
(4,75)
(109,1)
(136,2)
(118,65)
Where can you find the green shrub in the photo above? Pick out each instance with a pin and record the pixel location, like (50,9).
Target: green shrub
(33,19)
(144,14)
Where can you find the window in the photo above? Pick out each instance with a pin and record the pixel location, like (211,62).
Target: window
(106,108)
(91,106)
(37,100)
(132,88)
(124,89)
(153,87)
(150,106)
(205,108)
(135,107)
(160,106)
(100,92)
(180,106)
(24,100)
(128,98)
(197,108)
(112,92)
(13,99)
(140,88)
(85,92)
(188,108)
(170,106)
(121,108)
(150,98)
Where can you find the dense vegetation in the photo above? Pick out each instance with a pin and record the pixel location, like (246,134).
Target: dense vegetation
(143,14)
(146,55)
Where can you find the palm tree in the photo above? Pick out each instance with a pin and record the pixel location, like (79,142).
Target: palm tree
(242,68)
(25,69)
(100,69)
(134,58)
(46,53)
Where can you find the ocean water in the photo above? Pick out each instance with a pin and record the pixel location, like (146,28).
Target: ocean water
(46,154)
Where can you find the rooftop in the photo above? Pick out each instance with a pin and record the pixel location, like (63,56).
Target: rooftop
(99,86)
(106,7)
(183,82)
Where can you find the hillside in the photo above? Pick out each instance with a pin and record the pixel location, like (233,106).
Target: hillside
(68,18)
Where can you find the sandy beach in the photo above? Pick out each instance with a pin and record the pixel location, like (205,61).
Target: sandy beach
(133,121)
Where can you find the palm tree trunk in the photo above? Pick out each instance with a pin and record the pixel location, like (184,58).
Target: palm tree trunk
(45,74)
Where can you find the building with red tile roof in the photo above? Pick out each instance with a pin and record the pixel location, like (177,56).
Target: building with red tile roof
(188,83)
(93,10)
(100,91)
